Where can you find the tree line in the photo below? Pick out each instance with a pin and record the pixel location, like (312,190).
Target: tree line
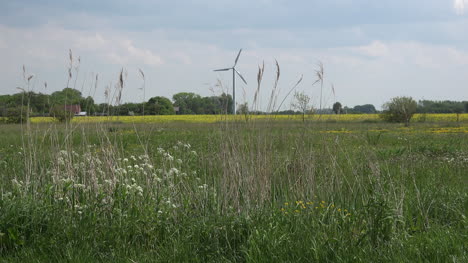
(39,104)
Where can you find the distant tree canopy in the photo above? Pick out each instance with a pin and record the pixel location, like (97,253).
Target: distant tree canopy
(159,106)
(447,106)
(366,108)
(191,103)
(67,96)
(187,102)
(38,103)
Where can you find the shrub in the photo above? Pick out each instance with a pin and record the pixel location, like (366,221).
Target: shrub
(399,109)
(61,114)
(16,114)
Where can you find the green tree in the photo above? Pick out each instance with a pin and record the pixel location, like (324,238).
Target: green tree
(67,96)
(301,103)
(366,108)
(209,104)
(87,105)
(243,109)
(399,109)
(446,106)
(159,106)
(60,113)
(130,109)
(4,104)
(188,103)
(224,104)
(337,108)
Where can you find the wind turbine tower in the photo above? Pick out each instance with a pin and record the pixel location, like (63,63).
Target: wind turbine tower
(234,72)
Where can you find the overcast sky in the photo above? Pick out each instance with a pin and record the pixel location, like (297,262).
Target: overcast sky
(371,50)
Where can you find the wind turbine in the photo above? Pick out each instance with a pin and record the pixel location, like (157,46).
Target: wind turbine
(234,72)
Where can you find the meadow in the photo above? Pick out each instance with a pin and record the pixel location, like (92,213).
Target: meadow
(219,189)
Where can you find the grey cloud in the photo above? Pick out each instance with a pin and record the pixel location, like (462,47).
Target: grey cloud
(223,14)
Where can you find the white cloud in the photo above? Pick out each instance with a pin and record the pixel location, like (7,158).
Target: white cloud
(144,55)
(90,42)
(459,6)
(374,49)
(410,53)
(50,44)
(127,53)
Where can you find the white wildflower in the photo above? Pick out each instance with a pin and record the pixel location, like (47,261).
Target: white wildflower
(108,181)
(168,157)
(173,171)
(139,190)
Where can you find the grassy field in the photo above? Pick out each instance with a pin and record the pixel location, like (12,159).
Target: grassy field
(268,190)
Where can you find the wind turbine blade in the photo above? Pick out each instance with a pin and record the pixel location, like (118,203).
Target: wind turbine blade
(237,58)
(223,69)
(240,75)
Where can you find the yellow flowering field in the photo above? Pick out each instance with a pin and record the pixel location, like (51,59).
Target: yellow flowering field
(217,118)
